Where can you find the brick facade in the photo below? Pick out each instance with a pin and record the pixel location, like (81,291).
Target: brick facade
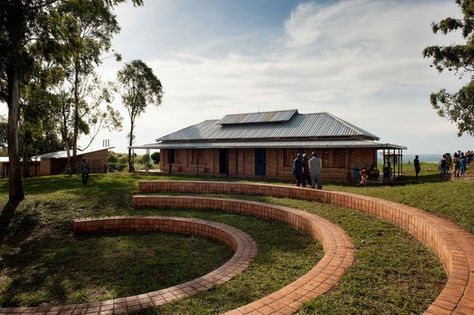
(337,163)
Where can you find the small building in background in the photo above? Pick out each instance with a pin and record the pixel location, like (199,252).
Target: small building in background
(265,144)
(56,162)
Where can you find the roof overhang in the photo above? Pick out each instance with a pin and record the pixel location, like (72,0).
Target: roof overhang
(272,144)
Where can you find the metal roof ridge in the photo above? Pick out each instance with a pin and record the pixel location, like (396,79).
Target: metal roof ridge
(188,127)
(353,127)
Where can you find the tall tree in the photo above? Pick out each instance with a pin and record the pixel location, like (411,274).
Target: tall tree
(457,107)
(23,22)
(139,88)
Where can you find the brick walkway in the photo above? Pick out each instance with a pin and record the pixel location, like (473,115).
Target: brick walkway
(244,246)
(453,245)
(338,248)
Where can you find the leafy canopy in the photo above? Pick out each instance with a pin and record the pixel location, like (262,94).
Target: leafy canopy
(457,107)
(140,87)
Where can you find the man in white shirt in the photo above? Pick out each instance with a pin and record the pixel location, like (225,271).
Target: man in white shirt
(315,171)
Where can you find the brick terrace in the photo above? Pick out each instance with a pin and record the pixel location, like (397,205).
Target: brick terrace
(338,248)
(453,245)
(244,246)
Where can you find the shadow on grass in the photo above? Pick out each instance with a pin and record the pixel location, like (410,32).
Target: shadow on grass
(64,270)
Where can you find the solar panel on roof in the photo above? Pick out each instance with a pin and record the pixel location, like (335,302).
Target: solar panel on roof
(254,118)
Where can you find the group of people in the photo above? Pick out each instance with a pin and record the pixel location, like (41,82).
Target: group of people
(363,174)
(458,163)
(307,170)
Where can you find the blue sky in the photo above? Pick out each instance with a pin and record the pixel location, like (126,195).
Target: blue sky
(360,60)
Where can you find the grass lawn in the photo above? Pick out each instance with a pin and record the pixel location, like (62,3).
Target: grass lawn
(41,261)
(393,272)
(451,199)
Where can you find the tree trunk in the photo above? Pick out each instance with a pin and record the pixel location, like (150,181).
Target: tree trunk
(15,189)
(131,166)
(16,28)
(76,116)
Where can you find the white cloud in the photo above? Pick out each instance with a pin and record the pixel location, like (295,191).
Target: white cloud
(360,60)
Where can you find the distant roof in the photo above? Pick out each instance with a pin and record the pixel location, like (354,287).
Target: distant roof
(342,144)
(257,118)
(318,125)
(63,154)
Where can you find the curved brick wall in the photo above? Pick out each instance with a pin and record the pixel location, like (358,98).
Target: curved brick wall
(338,248)
(244,246)
(453,245)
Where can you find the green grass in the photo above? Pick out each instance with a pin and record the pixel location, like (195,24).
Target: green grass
(451,199)
(87,269)
(393,273)
(42,262)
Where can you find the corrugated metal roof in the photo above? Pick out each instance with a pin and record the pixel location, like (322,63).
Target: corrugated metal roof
(253,118)
(63,154)
(318,125)
(273,144)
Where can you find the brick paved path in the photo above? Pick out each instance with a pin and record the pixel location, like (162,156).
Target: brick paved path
(244,246)
(453,245)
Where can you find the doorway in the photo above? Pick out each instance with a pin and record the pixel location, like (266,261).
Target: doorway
(224,162)
(260,162)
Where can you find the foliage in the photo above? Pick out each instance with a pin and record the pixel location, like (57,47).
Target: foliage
(457,107)
(116,162)
(29,29)
(146,160)
(3,132)
(155,156)
(139,88)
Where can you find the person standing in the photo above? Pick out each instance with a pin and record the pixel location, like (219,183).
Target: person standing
(84,169)
(462,164)
(315,171)
(416,163)
(298,169)
(306,176)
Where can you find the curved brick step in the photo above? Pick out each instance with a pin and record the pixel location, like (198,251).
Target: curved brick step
(453,245)
(244,246)
(338,248)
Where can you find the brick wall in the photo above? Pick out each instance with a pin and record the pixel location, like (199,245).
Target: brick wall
(242,163)
(453,245)
(338,248)
(245,250)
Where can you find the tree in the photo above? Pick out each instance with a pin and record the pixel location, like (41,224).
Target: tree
(139,88)
(457,107)
(23,23)
(91,114)
(155,156)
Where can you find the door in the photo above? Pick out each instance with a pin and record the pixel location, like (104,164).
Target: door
(260,162)
(224,161)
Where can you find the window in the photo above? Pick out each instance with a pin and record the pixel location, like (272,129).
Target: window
(339,158)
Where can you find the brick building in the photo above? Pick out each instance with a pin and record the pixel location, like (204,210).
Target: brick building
(56,162)
(265,144)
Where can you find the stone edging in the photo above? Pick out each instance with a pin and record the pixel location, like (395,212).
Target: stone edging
(453,245)
(338,248)
(244,246)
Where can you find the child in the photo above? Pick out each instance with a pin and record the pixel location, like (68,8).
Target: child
(363,176)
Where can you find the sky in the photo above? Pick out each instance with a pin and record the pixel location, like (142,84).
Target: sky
(360,60)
